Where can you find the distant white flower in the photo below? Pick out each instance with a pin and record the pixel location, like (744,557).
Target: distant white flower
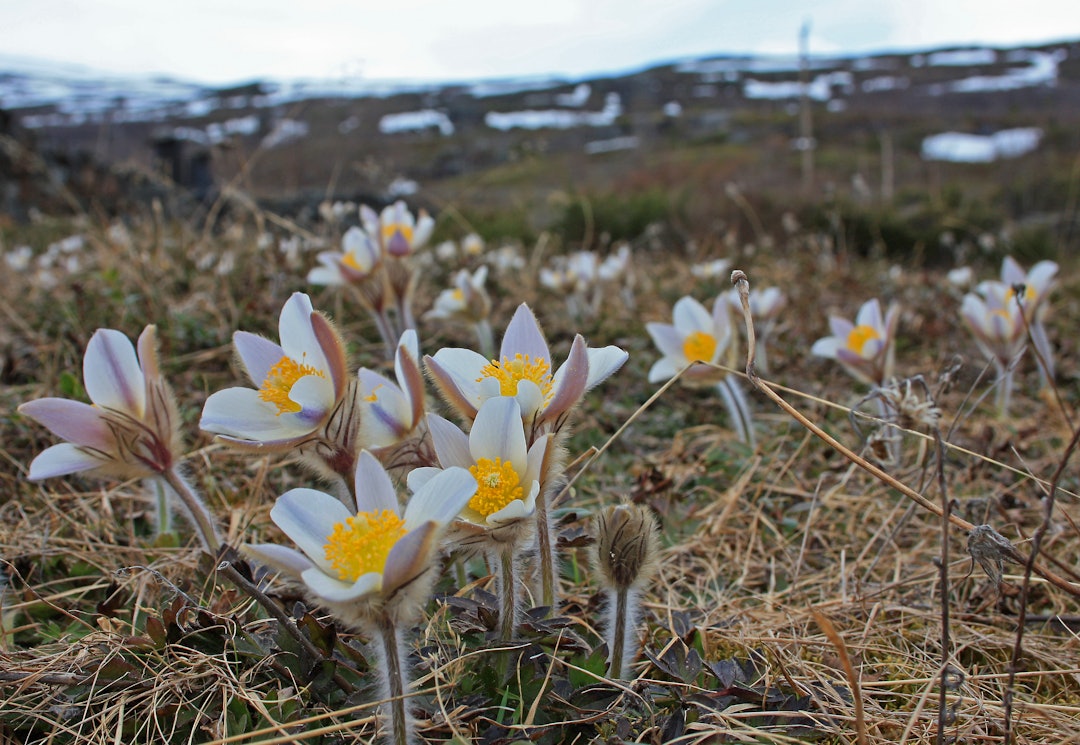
(390,412)
(864,348)
(960,277)
(710,269)
(695,336)
(467,300)
(472,245)
(398,233)
(358,259)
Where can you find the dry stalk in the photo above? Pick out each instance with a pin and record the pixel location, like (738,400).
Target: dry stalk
(742,284)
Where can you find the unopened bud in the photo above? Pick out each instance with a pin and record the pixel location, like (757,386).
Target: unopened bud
(627,545)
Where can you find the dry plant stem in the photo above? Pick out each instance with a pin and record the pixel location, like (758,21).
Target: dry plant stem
(395,680)
(738,278)
(943,689)
(1029,568)
(239,580)
(197,512)
(849,671)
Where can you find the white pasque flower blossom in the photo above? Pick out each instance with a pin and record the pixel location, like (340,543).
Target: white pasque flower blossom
(300,382)
(695,336)
(397,231)
(130,430)
(357,260)
(390,412)
(359,562)
(507,471)
(522,370)
(866,348)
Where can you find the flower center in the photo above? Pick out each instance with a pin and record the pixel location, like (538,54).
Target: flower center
(361,544)
(510,372)
(457,295)
(280,380)
(859,336)
(403,230)
(497,485)
(353,263)
(699,346)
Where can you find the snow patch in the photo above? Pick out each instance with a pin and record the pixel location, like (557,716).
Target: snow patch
(556,118)
(413,121)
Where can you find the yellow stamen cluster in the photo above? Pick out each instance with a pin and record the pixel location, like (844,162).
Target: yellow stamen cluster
(361,544)
(350,261)
(497,485)
(510,372)
(859,336)
(280,380)
(699,346)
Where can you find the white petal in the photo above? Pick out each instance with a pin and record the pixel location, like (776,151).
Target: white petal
(240,412)
(518,508)
(257,354)
(61,460)
(826,347)
(665,368)
(315,394)
(498,433)
(282,559)
(374,489)
(418,477)
(111,373)
(336,591)
(451,444)
(308,517)
(667,339)
(74,421)
(297,336)
(441,498)
(523,336)
(603,363)
(690,315)
(870,315)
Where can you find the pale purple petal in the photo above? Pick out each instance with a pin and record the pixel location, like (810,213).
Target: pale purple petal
(419,477)
(840,327)
(410,557)
(257,355)
(61,460)
(570,380)
(74,421)
(826,347)
(440,498)
(374,489)
(451,444)
(523,336)
(870,315)
(308,517)
(112,375)
(315,395)
(240,412)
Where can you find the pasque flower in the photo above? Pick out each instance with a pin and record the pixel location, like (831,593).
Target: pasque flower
(996,321)
(864,348)
(696,335)
(390,411)
(468,301)
(366,562)
(510,479)
(524,371)
(299,382)
(372,569)
(355,263)
(397,231)
(1037,284)
(131,428)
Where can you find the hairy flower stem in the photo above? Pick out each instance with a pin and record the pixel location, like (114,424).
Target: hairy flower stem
(164,524)
(620,613)
(738,409)
(195,508)
(395,681)
(508,591)
(545,550)
(1003,396)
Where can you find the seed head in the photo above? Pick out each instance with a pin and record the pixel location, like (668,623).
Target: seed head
(627,545)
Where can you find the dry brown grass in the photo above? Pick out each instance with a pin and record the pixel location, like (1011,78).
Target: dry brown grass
(793,584)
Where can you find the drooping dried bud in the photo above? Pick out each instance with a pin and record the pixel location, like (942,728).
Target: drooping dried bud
(990,549)
(627,544)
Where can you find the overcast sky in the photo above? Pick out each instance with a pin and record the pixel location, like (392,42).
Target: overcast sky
(227,41)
